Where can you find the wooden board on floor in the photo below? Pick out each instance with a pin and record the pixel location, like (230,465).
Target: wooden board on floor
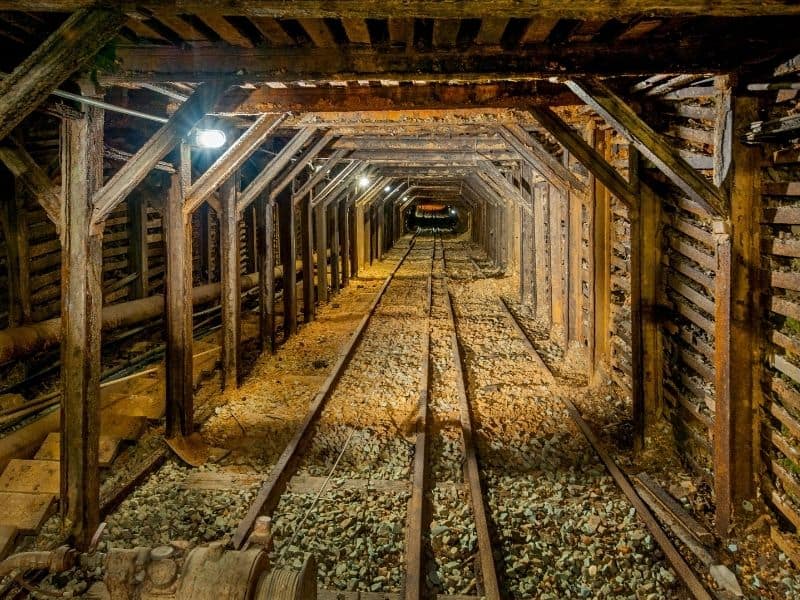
(220,480)
(8,535)
(51,449)
(26,512)
(150,406)
(31,477)
(306,484)
(121,426)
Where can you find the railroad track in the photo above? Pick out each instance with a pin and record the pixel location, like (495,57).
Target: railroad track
(482,359)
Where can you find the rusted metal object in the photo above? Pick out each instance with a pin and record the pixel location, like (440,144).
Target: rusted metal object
(57,561)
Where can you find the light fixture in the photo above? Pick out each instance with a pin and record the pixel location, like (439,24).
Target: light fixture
(452,211)
(387,189)
(210,138)
(363,181)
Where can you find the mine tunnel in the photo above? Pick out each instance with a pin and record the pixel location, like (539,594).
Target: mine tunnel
(399,300)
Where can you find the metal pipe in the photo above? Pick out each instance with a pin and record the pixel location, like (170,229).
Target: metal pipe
(107,106)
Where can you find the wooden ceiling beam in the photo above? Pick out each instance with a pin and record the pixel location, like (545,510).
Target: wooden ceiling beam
(332,161)
(383,9)
(449,143)
(588,156)
(163,141)
(35,179)
(537,156)
(230,161)
(273,168)
(199,63)
(652,145)
(64,51)
(300,164)
(338,183)
(425,156)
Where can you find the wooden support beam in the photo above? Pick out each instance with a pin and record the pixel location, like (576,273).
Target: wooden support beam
(344,232)
(540,159)
(601,245)
(275,166)
(383,9)
(335,249)
(178,284)
(320,174)
(307,241)
(301,164)
(34,178)
(232,159)
(575,260)
(163,141)
(587,155)
(81,318)
(652,145)
(14,220)
(703,54)
(265,232)
(66,50)
(558,264)
(321,231)
(738,354)
(137,250)
(230,272)
(288,241)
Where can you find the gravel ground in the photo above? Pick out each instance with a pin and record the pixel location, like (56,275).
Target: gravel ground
(358,537)
(563,528)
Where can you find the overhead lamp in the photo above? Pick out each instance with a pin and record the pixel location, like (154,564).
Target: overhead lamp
(387,189)
(210,138)
(363,181)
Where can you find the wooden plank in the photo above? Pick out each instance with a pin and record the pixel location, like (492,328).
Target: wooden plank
(275,166)
(35,179)
(178,302)
(225,30)
(64,51)
(230,272)
(81,319)
(318,32)
(491,31)
(587,155)
(132,173)
(782,188)
(265,233)
(356,30)
(445,32)
(8,539)
(693,253)
(26,512)
(288,254)
(614,110)
(31,477)
(51,448)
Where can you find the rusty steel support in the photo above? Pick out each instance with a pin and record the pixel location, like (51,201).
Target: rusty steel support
(178,300)
(81,318)
(230,273)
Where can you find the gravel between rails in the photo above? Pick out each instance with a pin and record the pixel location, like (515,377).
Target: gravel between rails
(367,425)
(563,528)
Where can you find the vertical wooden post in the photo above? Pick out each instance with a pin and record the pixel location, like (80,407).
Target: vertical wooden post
(137,251)
(637,243)
(541,218)
(601,222)
(265,231)
(230,272)
(322,252)
(178,299)
(344,225)
(380,233)
(81,318)
(738,358)
(205,249)
(14,220)
(358,245)
(334,238)
(288,260)
(575,235)
(307,241)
